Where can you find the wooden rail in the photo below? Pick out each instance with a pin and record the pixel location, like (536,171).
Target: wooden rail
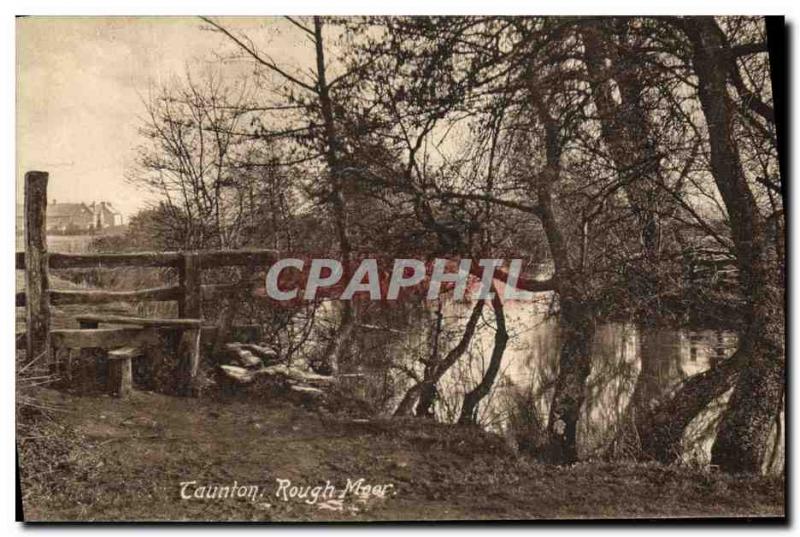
(60,297)
(64,297)
(89,338)
(200,260)
(99,296)
(189,284)
(139,321)
(206,259)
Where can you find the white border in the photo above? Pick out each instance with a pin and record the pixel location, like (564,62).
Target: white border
(342,7)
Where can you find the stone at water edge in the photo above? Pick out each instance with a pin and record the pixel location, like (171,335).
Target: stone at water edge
(265,353)
(307,395)
(308,390)
(248,359)
(243,357)
(239,374)
(298,375)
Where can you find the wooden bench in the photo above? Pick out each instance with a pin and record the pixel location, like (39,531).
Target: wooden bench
(95,320)
(120,367)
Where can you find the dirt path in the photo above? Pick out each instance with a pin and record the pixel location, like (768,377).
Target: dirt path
(132,457)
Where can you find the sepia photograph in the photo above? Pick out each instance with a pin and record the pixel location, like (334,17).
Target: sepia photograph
(328,269)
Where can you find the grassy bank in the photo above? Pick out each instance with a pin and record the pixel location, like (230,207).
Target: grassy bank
(126,460)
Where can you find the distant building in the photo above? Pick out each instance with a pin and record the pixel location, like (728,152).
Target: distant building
(66,217)
(105,215)
(69,216)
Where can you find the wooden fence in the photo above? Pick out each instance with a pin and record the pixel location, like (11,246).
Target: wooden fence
(37,298)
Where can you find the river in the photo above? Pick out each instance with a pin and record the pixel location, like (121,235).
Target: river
(530,365)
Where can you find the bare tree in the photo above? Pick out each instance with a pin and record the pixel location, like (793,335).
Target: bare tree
(322,124)
(192,158)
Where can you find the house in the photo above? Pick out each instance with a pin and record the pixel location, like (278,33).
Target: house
(105,215)
(76,217)
(62,217)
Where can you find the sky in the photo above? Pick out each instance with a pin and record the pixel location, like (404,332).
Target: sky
(81,82)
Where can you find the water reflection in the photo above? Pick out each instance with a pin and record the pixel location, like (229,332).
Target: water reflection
(631,366)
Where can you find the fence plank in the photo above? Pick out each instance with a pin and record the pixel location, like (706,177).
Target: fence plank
(37,280)
(139,321)
(62,297)
(103,338)
(208,259)
(100,296)
(138,259)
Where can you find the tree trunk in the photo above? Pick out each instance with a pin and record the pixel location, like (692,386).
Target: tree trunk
(744,430)
(427,396)
(424,393)
(661,429)
(626,130)
(743,437)
(437,370)
(576,325)
(406,406)
(333,157)
(474,396)
(627,133)
(335,350)
(576,319)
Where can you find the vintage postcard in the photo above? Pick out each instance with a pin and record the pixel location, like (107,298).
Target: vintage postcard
(439,268)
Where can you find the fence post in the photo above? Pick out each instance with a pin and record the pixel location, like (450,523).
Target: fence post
(37,281)
(190,307)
